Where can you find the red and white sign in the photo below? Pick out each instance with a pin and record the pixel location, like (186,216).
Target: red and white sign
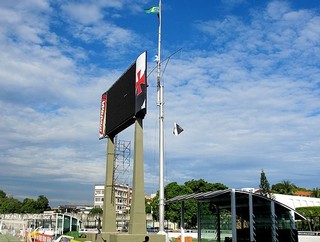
(42,238)
(103,113)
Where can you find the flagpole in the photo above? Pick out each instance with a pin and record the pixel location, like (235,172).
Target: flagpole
(160,104)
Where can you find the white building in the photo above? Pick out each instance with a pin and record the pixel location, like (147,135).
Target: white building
(301,199)
(122,197)
(98,196)
(297,201)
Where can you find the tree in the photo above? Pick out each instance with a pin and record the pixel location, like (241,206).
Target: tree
(289,188)
(96,211)
(29,205)
(264,185)
(197,185)
(10,205)
(277,188)
(284,187)
(316,192)
(172,210)
(97,214)
(201,185)
(155,207)
(148,205)
(312,214)
(43,203)
(2,194)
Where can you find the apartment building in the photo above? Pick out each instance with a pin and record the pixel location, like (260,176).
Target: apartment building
(122,197)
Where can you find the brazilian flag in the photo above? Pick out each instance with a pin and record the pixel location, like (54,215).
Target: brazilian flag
(152,10)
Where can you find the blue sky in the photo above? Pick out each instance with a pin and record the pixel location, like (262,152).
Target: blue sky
(245,87)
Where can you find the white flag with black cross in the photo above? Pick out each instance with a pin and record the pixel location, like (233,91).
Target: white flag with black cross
(177,129)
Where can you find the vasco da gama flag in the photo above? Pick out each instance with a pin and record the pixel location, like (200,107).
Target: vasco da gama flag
(177,129)
(141,84)
(126,99)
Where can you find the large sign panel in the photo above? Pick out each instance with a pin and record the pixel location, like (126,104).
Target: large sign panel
(125,100)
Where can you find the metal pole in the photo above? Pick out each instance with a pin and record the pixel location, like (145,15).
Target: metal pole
(161,130)
(273,222)
(251,219)
(182,221)
(62,224)
(234,215)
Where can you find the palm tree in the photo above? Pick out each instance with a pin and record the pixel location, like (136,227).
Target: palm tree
(316,192)
(288,188)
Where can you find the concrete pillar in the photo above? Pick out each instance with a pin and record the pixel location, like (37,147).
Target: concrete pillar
(137,224)
(109,210)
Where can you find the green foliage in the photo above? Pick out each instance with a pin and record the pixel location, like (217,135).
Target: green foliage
(309,212)
(96,211)
(43,203)
(201,185)
(2,195)
(148,206)
(316,192)
(173,190)
(312,214)
(9,238)
(154,207)
(172,210)
(29,206)
(12,205)
(74,234)
(264,185)
(285,187)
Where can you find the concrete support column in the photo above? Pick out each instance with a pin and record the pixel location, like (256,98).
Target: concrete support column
(109,210)
(137,224)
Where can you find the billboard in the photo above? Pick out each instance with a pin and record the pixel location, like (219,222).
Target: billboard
(125,100)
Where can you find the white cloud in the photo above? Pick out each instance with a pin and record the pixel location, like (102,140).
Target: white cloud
(247,95)
(250,102)
(276,9)
(24,22)
(86,13)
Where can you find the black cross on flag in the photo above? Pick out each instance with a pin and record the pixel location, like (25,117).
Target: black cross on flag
(177,129)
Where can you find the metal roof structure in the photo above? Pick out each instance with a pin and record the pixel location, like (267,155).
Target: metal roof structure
(208,196)
(253,217)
